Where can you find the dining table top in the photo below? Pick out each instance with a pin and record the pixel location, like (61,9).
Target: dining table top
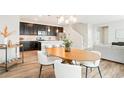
(74,54)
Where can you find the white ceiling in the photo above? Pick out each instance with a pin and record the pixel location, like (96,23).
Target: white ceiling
(92,19)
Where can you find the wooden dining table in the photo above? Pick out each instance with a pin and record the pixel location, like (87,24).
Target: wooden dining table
(74,54)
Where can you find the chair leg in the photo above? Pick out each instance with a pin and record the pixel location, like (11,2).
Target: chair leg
(86,71)
(40,70)
(91,69)
(53,66)
(75,62)
(99,71)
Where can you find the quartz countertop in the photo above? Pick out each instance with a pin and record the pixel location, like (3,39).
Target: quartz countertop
(51,41)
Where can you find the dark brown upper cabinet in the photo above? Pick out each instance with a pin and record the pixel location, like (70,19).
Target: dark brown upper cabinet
(29,29)
(22,28)
(42,27)
(35,29)
(52,31)
(60,29)
(32,29)
(26,29)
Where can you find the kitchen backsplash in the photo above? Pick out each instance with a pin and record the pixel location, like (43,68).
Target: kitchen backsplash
(35,38)
(27,38)
(47,37)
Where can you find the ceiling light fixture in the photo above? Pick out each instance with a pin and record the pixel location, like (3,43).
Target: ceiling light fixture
(62,20)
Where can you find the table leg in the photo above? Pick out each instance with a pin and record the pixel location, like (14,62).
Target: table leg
(6,64)
(22,55)
(16,53)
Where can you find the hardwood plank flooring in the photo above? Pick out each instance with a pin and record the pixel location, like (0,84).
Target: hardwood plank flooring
(30,69)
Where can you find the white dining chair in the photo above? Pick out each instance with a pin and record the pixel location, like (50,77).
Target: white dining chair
(92,64)
(67,70)
(44,60)
(52,57)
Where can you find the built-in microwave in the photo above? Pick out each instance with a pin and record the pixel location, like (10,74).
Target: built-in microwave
(42,33)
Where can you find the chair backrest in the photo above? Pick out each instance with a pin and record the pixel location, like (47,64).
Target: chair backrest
(97,52)
(67,70)
(42,57)
(97,61)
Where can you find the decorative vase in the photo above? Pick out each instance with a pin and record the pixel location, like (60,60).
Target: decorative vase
(9,43)
(5,41)
(67,49)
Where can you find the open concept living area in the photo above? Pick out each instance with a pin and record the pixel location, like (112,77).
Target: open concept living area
(61,46)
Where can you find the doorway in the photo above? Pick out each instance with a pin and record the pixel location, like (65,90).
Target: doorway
(104,34)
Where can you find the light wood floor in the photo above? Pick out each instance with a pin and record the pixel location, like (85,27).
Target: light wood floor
(30,69)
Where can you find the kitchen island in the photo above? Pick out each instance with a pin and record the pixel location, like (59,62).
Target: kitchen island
(111,52)
(50,44)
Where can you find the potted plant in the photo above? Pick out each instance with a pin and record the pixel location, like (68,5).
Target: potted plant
(67,43)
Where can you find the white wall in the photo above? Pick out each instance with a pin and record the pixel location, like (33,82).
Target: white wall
(113,27)
(12,23)
(96,35)
(90,35)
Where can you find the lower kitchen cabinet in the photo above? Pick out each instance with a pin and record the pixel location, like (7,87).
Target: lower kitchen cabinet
(30,45)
